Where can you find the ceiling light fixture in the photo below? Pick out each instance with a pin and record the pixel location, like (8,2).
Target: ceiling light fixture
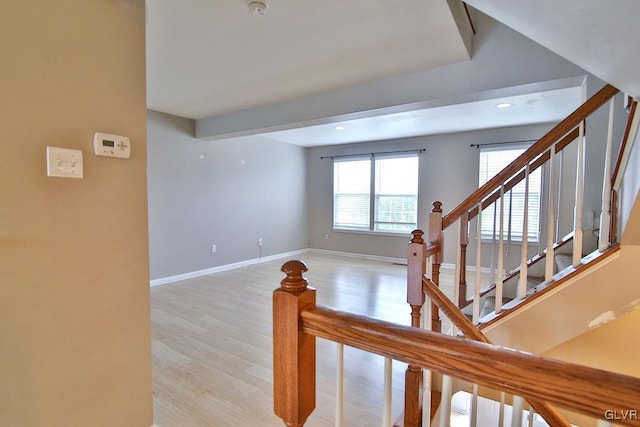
(258,8)
(504,105)
(341,127)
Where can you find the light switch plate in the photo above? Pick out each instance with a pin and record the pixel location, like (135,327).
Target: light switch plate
(64,162)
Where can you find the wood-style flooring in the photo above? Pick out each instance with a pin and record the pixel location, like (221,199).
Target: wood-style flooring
(212,344)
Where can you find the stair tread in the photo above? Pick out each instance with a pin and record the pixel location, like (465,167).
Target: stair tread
(563,261)
(489,305)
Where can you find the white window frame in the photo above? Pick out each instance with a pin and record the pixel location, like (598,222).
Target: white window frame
(536,180)
(372,227)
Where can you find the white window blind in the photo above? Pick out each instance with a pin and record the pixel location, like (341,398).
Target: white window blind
(351,194)
(376,195)
(493,161)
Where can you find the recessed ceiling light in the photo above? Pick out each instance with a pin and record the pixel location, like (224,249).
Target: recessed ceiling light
(341,127)
(504,105)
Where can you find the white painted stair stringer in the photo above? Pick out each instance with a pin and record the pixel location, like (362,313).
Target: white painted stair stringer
(574,307)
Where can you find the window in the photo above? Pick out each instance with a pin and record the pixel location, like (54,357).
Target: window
(378,194)
(493,161)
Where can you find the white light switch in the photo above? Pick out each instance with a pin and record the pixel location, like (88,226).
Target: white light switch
(64,162)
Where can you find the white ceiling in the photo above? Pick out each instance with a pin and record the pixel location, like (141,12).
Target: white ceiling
(209,57)
(212,57)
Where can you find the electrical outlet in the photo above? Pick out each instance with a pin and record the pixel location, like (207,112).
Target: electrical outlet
(213,249)
(326,236)
(260,241)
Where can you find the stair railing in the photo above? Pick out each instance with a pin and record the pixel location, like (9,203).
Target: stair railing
(496,198)
(492,196)
(297,321)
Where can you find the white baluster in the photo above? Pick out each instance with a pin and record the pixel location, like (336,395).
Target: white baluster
(532,415)
(524,254)
(458,271)
(492,265)
(551,202)
(517,409)
(476,291)
(473,422)
(340,387)
(577,216)
(501,414)
(559,164)
(445,402)
(605,216)
(386,413)
(500,279)
(426,398)
(426,393)
(510,220)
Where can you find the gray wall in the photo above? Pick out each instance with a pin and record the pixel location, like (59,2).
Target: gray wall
(448,173)
(223,192)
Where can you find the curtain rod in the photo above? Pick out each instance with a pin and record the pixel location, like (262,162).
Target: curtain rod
(501,143)
(418,151)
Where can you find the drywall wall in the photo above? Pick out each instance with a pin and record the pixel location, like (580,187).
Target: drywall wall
(74,295)
(223,193)
(501,58)
(613,346)
(605,292)
(448,173)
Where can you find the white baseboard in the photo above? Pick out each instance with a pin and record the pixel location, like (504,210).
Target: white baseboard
(360,256)
(233,266)
(226,267)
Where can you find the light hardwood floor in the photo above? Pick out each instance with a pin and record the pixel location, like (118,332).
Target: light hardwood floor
(212,344)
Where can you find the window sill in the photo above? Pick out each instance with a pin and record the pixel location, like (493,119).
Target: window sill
(371,233)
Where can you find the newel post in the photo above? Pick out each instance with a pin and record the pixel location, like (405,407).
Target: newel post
(294,352)
(436,236)
(416,268)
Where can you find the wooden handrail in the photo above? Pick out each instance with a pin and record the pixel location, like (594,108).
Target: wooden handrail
(625,141)
(559,131)
(515,180)
(452,312)
(432,249)
(549,413)
(579,388)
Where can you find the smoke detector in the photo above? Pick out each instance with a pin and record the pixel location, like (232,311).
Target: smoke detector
(258,7)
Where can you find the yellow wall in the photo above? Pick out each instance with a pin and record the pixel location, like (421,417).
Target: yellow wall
(74,290)
(613,346)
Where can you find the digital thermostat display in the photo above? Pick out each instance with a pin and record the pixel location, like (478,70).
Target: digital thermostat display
(105,144)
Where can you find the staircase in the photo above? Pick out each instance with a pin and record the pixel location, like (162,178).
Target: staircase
(497,304)
(552,296)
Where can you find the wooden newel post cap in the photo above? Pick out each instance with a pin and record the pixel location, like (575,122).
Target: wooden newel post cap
(437,207)
(417,236)
(294,280)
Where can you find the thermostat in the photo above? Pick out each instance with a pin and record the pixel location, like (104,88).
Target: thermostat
(105,144)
